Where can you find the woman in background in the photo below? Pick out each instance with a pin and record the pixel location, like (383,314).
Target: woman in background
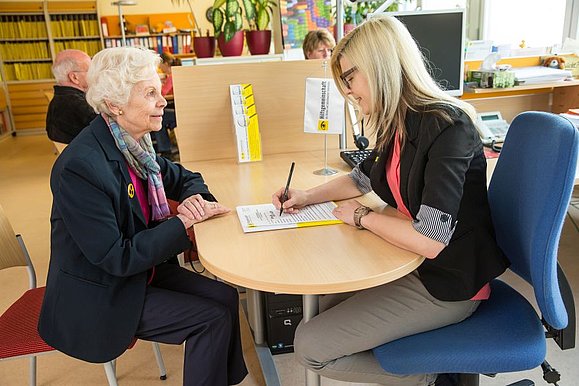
(111,277)
(162,139)
(318,44)
(428,162)
(168,61)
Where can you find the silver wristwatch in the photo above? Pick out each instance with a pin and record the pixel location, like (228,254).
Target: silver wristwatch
(360,212)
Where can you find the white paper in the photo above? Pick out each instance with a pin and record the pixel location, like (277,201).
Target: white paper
(264,217)
(324,107)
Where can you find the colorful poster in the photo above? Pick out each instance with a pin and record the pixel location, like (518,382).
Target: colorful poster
(300,16)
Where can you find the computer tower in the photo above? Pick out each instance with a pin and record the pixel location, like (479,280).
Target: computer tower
(282,313)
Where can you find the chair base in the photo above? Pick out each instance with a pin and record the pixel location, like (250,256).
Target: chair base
(524,382)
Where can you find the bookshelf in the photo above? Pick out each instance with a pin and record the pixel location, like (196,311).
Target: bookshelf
(179,42)
(31,34)
(176,43)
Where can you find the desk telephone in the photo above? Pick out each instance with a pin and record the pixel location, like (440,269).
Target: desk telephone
(492,127)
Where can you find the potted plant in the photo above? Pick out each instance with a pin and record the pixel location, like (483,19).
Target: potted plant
(228,24)
(204,46)
(258,14)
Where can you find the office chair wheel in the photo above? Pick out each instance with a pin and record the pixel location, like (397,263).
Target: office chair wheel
(550,375)
(524,382)
(163,377)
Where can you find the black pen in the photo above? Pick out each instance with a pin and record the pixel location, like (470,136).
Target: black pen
(286,190)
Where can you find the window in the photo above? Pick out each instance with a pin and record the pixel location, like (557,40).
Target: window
(538,22)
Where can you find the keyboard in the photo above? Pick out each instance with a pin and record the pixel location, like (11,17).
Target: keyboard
(354,157)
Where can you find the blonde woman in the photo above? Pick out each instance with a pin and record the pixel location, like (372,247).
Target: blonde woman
(318,44)
(429,164)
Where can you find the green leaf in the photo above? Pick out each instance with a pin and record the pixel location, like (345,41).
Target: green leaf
(249,9)
(262,19)
(238,22)
(217,21)
(231,8)
(229,30)
(218,4)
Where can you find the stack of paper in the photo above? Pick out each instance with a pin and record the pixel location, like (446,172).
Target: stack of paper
(540,74)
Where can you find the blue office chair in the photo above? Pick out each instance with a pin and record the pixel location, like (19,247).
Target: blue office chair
(529,195)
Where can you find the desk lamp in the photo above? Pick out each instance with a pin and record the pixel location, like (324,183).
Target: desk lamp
(119,4)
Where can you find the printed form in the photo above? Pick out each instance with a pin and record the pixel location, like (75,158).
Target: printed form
(265,217)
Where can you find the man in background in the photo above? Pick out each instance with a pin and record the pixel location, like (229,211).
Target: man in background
(68,111)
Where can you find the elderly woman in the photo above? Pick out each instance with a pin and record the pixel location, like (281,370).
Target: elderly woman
(318,44)
(111,277)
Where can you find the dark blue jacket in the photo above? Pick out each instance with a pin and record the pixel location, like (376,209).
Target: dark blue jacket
(101,247)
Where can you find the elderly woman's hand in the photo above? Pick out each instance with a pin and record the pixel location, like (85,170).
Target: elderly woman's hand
(195,209)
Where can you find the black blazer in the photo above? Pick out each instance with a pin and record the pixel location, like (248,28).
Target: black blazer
(68,113)
(101,247)
(442,166)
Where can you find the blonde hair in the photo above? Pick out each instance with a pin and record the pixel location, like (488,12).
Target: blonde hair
(170,59)
(384,52)
(113,73)
(314,38)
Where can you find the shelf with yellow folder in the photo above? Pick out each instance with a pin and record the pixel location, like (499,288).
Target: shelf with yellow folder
(32,33)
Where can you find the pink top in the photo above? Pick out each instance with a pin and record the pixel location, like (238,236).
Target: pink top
(393,179)
(141,194)
(167,87)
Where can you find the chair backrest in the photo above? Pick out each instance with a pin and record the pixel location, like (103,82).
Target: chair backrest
(59,146)
(12,254)
(529,195)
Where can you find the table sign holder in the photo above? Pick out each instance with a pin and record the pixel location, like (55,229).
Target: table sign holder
(325,171)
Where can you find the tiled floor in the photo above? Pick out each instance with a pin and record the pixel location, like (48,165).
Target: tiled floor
(25,164)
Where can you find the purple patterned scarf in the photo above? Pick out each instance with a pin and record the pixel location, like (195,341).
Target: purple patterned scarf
(142,159)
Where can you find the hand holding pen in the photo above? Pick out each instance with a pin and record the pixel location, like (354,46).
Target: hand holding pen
(284,195)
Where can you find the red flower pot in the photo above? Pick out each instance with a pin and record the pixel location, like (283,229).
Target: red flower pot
(204,46)
(258,42)
(234,47)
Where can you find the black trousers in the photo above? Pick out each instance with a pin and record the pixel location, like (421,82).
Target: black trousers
(182,306)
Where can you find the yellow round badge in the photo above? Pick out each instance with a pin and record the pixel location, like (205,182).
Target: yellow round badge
(131,190)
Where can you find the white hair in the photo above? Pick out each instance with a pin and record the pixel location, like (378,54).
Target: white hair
(113,73)
(67,61)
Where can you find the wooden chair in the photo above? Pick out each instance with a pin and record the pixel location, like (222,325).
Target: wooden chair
(59,147)
(19,336)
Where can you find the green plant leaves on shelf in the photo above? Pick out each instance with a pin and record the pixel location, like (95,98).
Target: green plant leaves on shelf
(231,7)
(229,30)
(262,19)
(218,19)
(249,9)
(218,3)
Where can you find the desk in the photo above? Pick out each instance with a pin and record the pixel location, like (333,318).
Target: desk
(306,261)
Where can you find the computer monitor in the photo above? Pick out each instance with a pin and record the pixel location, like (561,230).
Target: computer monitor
(441,37)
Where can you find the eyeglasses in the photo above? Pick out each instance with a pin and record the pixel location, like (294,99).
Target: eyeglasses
(346,74)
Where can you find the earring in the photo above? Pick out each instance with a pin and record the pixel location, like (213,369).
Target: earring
(120,112)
